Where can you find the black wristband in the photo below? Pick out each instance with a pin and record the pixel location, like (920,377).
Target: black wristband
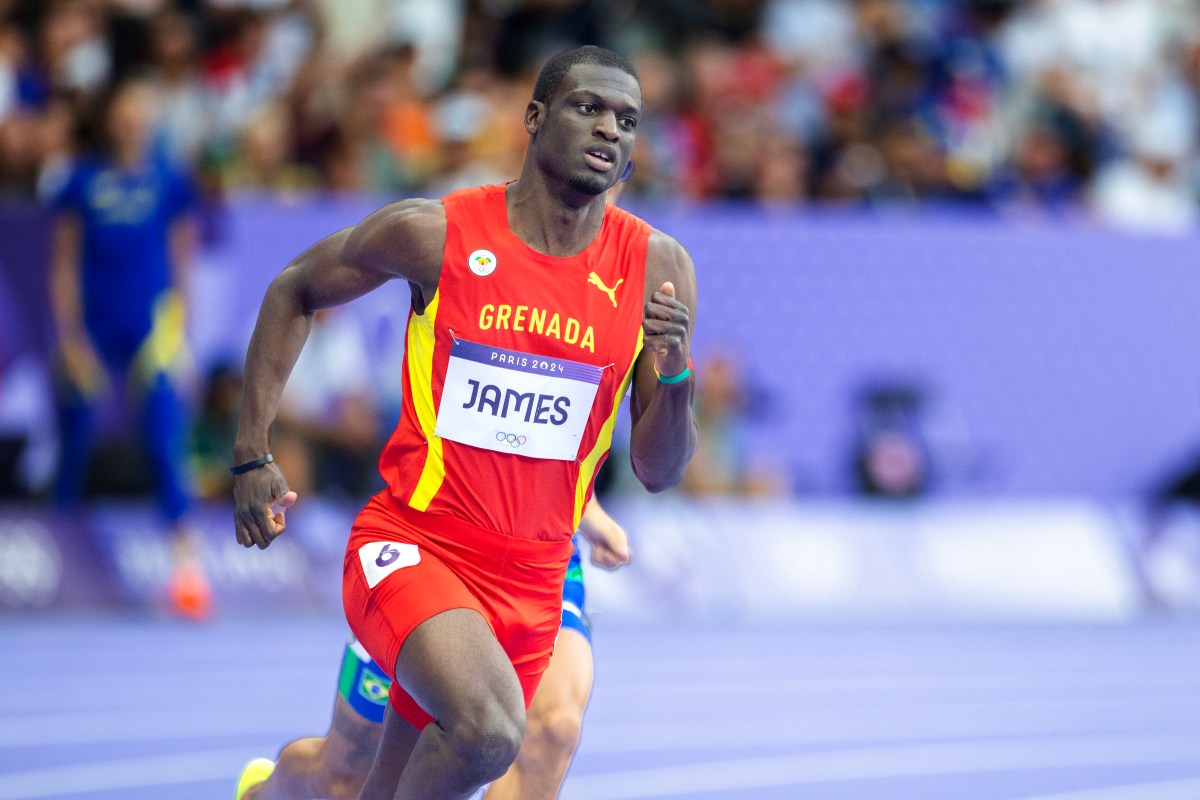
(261,461)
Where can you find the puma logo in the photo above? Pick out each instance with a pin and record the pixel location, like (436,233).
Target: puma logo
(595,280)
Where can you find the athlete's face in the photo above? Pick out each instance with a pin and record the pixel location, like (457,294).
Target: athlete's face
(584,134)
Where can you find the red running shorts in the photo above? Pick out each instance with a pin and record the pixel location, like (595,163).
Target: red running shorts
(404,566)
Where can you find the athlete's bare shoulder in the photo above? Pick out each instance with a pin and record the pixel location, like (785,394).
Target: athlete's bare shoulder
(668,260)
(405,239)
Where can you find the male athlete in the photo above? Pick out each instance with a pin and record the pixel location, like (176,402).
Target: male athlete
(334,766)
(533,309)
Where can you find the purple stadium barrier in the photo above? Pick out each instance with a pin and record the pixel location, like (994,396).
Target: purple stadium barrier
(1059,359)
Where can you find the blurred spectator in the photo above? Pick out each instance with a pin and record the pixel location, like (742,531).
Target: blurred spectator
(387,135)
(435,32)
(1111,50)
(846,163)
(710,110)
(481,107)
(1149,190)
(461,121)
(662,145)
(1042,176)
(914,168)
(120,257)
(265,161)
(971,81)
(214,430)
(184,112)
(75,57)
(814,38)
(258,55)
(527,32)
(781,172)
(407,115)
(723,464)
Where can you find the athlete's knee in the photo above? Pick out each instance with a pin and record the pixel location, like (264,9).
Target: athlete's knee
(487,741)
(305,769)
(297,770)
(343,787)
(316,772)
(554,733)
(301,757)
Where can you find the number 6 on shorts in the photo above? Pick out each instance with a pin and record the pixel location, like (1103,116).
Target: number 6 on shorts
(380,559)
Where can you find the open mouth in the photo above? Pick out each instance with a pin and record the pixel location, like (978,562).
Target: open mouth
(600,159)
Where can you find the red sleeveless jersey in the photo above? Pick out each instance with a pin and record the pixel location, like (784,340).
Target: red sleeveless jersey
(514,372)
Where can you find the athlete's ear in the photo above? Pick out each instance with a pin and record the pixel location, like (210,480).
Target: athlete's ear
(533,116)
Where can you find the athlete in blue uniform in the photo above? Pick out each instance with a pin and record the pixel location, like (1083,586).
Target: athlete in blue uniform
(121,246)
(334,766)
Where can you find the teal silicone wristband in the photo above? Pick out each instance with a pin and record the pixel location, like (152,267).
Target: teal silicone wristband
(680,378)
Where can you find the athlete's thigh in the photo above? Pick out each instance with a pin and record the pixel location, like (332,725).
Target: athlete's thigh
(567,682)
(393,582)
(454,668)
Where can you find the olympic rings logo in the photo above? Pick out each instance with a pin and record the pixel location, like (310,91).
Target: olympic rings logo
(511,439)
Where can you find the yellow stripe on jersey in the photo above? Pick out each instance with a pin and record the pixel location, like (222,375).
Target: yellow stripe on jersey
(420,376)
(588,468)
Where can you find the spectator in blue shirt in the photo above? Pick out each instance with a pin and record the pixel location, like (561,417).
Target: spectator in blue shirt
(121,248)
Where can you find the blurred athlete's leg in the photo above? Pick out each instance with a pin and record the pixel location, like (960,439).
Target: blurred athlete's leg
(554,723)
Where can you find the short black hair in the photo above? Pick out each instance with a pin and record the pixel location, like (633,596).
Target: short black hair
(552,74)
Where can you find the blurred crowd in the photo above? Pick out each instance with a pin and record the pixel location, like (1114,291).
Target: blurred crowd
(1043,106)
(1061,107)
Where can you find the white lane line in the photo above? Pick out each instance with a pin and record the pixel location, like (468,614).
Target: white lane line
(80,780)
(1186,789)
(133,687)
(1022,683)
(667,683)
(218,673)
(833,766)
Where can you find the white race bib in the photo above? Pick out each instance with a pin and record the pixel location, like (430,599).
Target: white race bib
(514,402)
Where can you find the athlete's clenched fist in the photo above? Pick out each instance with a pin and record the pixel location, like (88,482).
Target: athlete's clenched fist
(255,495)
(665,326)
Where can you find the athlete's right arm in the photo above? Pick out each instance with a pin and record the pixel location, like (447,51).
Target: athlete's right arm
(403,240)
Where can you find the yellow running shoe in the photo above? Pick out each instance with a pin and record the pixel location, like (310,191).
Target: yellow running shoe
(253,774)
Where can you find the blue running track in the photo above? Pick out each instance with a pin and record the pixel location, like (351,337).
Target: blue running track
(135,708)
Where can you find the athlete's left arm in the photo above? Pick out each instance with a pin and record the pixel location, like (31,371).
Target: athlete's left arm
(664,435)
(610,543)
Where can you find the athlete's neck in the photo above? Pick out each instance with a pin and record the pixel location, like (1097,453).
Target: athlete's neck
(555,226)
